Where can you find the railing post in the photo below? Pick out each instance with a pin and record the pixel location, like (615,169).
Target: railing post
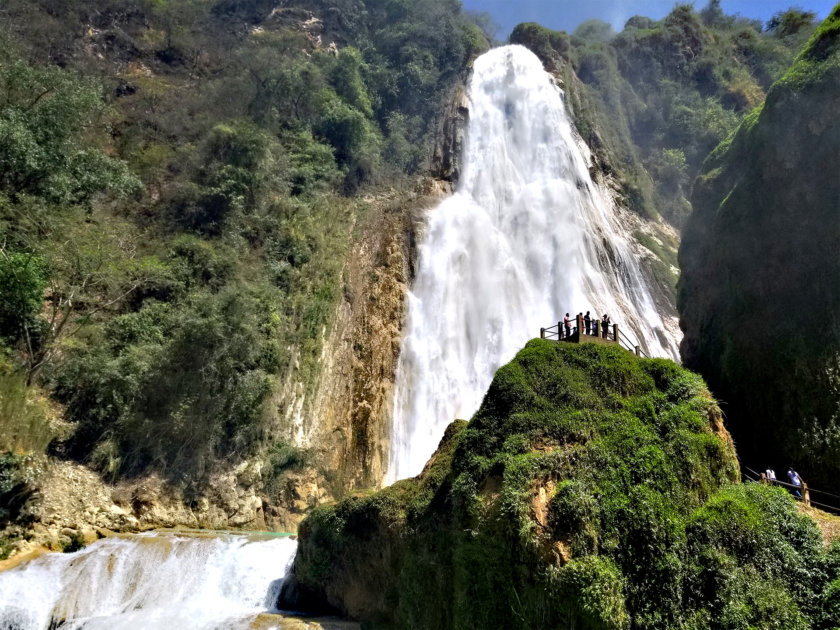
(638,351)
(579,319)
(597,327)
(615,333)
(542,333)
(559,330)
(806,496)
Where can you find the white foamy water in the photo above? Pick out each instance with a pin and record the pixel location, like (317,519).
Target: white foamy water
(526,238)
(149,582)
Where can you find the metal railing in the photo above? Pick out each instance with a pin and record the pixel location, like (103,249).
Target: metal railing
(576,331)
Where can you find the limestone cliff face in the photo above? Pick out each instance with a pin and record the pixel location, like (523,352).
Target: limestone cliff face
(760,290)
(351,411)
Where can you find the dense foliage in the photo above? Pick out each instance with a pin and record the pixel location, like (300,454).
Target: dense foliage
(656,98)
(590,490)
(177,199)
(760,289)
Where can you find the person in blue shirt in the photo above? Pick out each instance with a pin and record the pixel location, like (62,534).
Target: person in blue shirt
(795,480)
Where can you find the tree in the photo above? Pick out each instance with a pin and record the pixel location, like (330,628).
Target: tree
(44,117)
(23,279)
(790,22)
(91,271)
(595,30)
(714,17)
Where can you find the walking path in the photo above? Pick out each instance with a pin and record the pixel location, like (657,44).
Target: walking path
(833,500)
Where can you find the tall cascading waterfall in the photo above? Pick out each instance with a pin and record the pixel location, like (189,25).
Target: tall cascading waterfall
(526,238)
(149,581)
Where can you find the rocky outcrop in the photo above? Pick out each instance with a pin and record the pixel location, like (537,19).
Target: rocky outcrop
(72,505)
(552,47)
(449,139)
(760,287)
(592,490)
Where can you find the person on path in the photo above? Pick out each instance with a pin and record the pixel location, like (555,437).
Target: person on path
(605,325)
(587,321)
(795,480)
(567,323)
(770,474)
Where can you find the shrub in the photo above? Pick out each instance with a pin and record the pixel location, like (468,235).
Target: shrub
(24,421)
(23,278)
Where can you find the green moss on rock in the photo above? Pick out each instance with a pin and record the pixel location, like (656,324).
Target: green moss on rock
(593,490)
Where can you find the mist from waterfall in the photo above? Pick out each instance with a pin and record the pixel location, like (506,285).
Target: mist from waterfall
(150,581)
(526,238)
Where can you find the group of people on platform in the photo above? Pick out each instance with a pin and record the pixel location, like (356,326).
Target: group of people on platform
(793,477)
(589,325)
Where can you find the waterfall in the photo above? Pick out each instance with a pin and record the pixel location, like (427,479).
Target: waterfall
(148,581)
(526,238)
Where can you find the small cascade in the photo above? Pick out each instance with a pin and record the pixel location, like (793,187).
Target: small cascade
(526,238)
(149,581)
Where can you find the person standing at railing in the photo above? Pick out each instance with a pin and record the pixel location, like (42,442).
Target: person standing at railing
(795,480)
(587,322)
(567,324)
(770,474)
(605,325)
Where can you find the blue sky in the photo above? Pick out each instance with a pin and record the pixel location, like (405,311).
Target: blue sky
(567,14)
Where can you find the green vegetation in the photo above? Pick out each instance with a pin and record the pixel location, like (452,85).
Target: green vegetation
(654,99)
(591,490)
(760,289)
(178,189)
(25,433)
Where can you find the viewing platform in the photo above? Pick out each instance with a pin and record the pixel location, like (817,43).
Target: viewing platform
(609,335)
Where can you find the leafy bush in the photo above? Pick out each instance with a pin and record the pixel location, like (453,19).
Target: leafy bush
(18,475)
(22,282)
(281,458)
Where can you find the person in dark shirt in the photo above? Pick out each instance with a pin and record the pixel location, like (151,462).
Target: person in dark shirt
(587,321)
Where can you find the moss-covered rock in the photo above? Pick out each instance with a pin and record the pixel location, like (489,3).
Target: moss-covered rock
(592,489)
(759,295)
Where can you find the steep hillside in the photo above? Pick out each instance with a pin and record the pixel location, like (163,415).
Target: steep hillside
(191,194)
(760,289)
(591,490)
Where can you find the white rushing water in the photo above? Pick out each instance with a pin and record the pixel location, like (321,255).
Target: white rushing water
(148,581)
(526,238)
